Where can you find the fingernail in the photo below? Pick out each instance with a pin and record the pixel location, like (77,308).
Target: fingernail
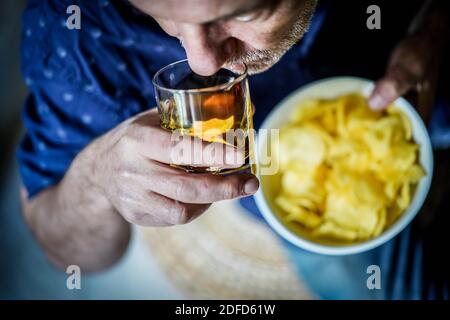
(251,186)
(376,102)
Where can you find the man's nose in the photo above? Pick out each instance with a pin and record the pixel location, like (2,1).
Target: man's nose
(206,49)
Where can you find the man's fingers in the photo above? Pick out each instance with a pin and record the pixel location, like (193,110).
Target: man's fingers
(198,188)
(405,69)
(186,150)
(384,93)
(157,210)
(394,84)
(173,148)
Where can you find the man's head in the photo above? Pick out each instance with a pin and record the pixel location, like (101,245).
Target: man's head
(215,33)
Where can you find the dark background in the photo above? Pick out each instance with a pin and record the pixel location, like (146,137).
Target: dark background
(12,88)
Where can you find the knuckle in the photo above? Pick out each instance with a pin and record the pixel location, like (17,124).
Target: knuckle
(131,133)
(127,214)
(179,187)
(185,190)
(137,217)
(128,204)
(229,190)
(124,147)
(137,133)
(180,213)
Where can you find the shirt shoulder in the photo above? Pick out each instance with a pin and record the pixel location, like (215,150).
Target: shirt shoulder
(83,82)
(116,44)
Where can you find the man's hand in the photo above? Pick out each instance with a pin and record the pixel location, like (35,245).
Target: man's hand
(124,176)
(132,171)
(414,64)
(412,67)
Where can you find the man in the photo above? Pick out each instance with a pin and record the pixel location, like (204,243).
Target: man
(94,160)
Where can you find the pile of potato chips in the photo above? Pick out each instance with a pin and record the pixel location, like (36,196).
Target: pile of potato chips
(347,172)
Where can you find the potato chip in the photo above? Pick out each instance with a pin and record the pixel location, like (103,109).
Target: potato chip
(306,183)
(309,109)
(361,218)
(330,230)
(406,124)
(347,172)
(301,144)
(297,213)
(381,222)
(404,196)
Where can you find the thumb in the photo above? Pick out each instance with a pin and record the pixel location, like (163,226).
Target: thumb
(395,83)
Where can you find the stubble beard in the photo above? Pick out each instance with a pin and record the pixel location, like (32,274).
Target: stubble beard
(258,61)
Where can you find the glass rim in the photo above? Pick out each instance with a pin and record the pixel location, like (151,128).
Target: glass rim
(218,87)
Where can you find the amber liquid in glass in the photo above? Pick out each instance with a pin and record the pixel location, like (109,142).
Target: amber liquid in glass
(220,117)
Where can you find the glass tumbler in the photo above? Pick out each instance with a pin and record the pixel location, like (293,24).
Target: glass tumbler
(215,109)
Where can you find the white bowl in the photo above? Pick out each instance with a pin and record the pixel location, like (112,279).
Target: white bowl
(279,117)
